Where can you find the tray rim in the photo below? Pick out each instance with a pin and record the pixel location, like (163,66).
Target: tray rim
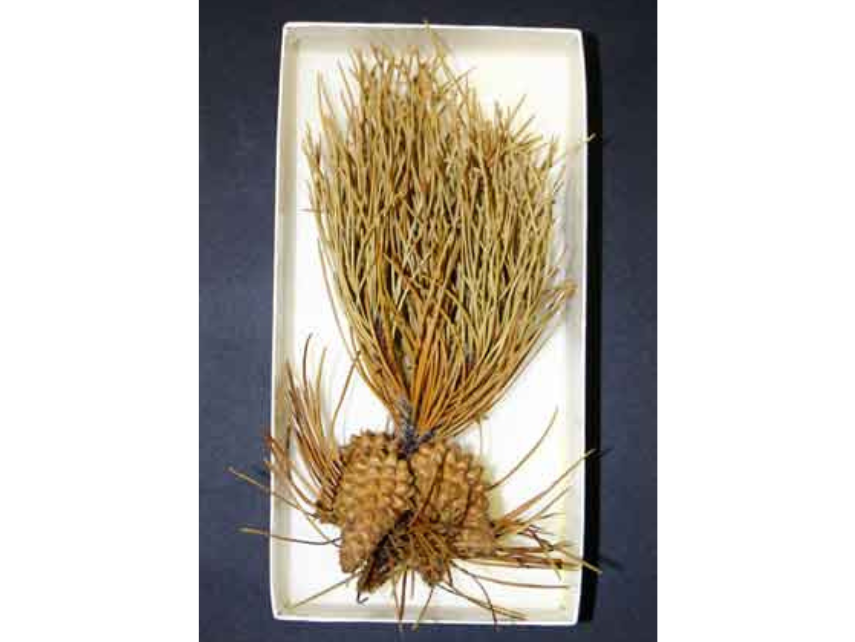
(293,28)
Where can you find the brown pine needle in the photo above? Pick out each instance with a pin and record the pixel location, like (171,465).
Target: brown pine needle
(262,487)
(323,592)
(529,503)
(546,554)
(437,236)
(341,399)
(527,455)
(493,608)
(497,580)
(403,599)
(256,531)
(309,518)
(483,591)
(397,602)
(424,609)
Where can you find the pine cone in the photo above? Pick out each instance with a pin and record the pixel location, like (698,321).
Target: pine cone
(367,443)
(452,484)
(361,445)
(444,476)
(441,487)
(375,490)
(427,465)
(476,537)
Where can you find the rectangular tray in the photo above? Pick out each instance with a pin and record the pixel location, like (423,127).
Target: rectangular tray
(547,66)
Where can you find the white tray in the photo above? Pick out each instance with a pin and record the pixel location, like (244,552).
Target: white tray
(547,66)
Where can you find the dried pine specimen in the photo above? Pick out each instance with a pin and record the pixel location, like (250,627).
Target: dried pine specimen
(436,232)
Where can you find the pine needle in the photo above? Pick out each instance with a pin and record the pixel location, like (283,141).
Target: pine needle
(437,237)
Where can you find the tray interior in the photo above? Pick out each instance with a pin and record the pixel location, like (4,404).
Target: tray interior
(547,67)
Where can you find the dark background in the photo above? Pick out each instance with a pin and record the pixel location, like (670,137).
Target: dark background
(239,59)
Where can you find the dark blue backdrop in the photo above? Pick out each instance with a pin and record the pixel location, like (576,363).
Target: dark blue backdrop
(239,57)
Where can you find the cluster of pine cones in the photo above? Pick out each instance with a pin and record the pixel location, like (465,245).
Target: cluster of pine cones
(414,513)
